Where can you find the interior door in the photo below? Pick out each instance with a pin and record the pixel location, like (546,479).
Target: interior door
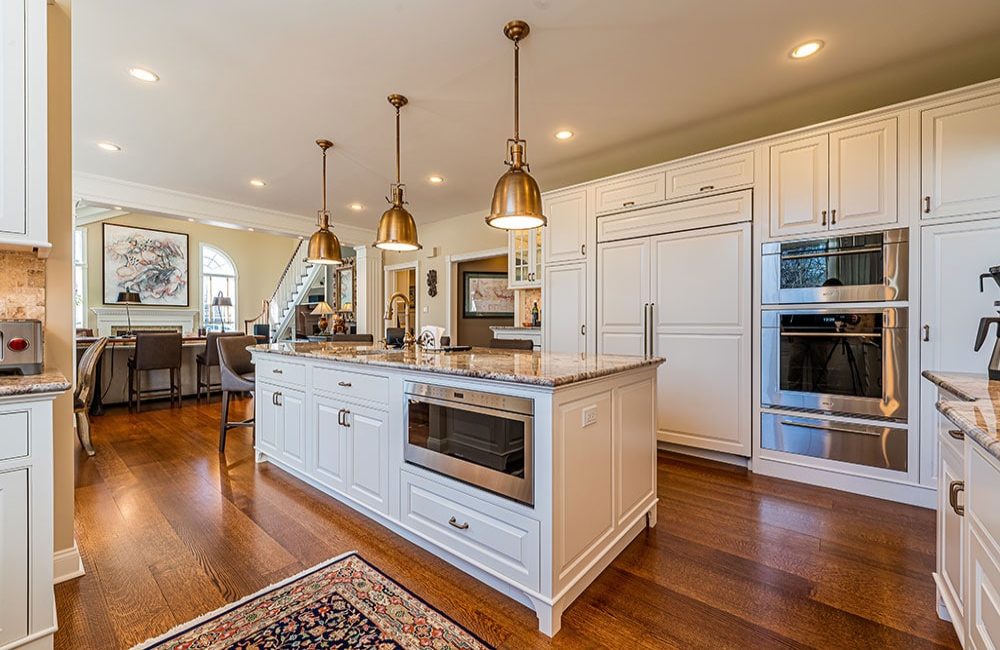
(564,292)
(799,186)
(367,432)
(863,177)
(12,117)
(13,555)
(622,296)
(952,257)
(330,444)
(701,316)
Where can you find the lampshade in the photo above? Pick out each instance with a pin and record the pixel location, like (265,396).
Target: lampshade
(129,298)
(323,309)
(222,301)
(397,231)
(324,247)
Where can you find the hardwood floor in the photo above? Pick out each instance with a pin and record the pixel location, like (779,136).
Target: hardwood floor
(169,529)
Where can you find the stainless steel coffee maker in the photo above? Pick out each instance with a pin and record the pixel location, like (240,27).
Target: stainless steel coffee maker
(986,321)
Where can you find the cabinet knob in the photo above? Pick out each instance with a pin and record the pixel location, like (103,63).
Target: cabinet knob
(462,526)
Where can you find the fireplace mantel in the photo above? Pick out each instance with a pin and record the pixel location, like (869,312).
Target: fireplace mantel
(115,316)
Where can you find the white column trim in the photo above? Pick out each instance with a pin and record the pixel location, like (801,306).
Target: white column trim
(369,278)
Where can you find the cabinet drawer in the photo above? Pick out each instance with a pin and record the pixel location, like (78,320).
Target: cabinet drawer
(628,193)
(370,388)
(485,534)
(710,176)
(13,434)
(282,372)
(945,429)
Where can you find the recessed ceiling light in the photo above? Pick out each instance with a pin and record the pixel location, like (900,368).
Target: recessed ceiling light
(142,74)
(117,207)
(109,146)
(806,49)
(256,182)
(357,207)
(437,180)
(191,219)
(565,134)
(251,229)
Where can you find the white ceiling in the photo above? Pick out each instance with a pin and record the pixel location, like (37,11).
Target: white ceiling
(248,85)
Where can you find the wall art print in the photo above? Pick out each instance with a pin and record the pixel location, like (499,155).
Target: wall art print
(486,295)
(152,262)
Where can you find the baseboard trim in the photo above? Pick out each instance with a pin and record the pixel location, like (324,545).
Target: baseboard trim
(67,564)
(708,454)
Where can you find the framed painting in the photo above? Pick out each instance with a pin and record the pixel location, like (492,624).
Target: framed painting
(486,295)
(345,288)
(153,263)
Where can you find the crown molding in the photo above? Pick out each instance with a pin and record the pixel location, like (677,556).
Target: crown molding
(136,197)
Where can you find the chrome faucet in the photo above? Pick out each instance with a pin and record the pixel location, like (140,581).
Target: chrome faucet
(390,311)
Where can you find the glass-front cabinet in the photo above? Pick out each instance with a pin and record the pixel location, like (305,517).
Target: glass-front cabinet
(524,258)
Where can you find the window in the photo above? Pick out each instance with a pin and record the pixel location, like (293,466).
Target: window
(218,279)
(80,277)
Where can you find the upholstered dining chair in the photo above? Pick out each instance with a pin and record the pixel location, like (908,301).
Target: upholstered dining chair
(238,376)
(155,351)
(85,379)
(206,360)
(512,344)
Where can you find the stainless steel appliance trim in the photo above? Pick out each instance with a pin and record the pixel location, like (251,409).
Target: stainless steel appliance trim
(884,447)
(841,335)
(461,396)
(868,431)
(849,251)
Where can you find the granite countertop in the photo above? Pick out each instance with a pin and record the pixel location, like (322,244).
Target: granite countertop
(976,411)
(522,367)
(47,382)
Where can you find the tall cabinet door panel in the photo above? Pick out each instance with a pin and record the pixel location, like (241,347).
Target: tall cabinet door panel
(13,555)
(863,177)
(564,293)
(330,441)
(292,439)
(267,422)
(952,257)
(799,192)
(12,117)
(701,320)
(960,158)
(622,296)
(566,235)
(368,448)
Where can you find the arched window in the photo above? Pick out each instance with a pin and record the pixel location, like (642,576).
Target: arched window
(218,286)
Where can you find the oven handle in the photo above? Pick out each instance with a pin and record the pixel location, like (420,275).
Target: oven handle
(856,335)
(820,427)
(849,251)
(508,415)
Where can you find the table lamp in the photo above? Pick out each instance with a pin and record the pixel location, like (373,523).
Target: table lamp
(129,298)
(221,301)
(323,309)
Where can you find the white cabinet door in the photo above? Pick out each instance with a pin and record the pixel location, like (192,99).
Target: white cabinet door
(960,158)
(268,418)
(329,440)
(292,433)
(368,449)
(622,296)
(984,593)
(564,293)
(524,258)
(13,200)
(566,234)
(951,536)
(701,319)
(951,305)
(799,186)
(863,177)
(13,555)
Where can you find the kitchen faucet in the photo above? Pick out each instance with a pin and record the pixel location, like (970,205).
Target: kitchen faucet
(408,340)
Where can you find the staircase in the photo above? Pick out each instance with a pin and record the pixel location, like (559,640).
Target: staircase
(279,310)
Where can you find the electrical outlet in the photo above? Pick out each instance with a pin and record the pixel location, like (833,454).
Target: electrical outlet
(590,416)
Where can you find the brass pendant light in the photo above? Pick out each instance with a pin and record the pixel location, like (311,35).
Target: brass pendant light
(517,201)
(396,229)
(324,247)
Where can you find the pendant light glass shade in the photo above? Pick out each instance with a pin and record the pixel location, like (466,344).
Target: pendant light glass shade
(397,231)
(324,247)
(517,201)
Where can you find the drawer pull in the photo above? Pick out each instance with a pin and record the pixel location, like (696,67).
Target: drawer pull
(345,384)
(953,489)
(706,188)
(627,204)
(278,371)
(956,434)
(454,522)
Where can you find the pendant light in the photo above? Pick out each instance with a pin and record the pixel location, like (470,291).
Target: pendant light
(517,201)
(396,229)
(324,247)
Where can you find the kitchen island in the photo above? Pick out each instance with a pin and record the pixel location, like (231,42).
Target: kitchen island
(530,471)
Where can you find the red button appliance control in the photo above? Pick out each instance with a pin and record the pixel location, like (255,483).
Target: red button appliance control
(18,345)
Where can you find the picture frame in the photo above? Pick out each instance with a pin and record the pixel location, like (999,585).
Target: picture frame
(486,294)
(154,263)
(346,289)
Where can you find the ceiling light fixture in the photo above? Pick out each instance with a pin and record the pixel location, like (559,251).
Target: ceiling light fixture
(142,74)
(324,247)
(397,231)
(564,134)
(109,146)
(191,219)
(806,49)
(517,201)
(357,207)
(435,179)
(256,182)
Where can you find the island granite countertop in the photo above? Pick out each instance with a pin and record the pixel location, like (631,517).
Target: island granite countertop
(516,366)
(976,411)
(47,382)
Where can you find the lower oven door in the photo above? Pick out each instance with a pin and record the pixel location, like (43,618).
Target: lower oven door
(850,362)
(472,437)
(871,445)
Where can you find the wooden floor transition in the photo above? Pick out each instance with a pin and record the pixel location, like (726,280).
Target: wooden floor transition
(169,529)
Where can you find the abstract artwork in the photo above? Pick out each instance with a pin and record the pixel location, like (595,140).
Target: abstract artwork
(153,263)
(487,295)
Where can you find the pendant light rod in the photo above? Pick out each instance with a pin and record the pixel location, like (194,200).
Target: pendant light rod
(517,103)
(324,145)
(398,101)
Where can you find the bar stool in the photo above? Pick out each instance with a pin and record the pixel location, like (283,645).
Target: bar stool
(238,376)
(207,360)
(154,351)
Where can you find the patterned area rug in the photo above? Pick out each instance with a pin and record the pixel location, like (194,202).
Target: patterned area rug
(342,603)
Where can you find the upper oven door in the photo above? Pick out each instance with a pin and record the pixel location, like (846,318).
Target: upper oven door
(850,362)
(850,268)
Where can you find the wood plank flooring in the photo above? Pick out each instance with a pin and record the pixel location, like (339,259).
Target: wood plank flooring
(169,529)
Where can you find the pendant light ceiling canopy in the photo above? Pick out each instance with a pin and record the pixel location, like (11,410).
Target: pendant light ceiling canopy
(397,231)
(324,247)
(517,201)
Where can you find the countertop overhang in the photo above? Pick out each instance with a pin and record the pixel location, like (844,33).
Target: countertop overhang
(47,382)
(976,412)
(515,366)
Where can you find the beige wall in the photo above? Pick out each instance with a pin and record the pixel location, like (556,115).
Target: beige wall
(259,258)
(476,331)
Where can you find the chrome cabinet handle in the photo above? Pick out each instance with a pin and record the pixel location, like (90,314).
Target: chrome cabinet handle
(454,522)
(706,188)
(927,333)
(823,213)
(628,204)
(833,217)
(953,489)
(346,423)
(278,371)
(956,434)
(345,384)
(927,205)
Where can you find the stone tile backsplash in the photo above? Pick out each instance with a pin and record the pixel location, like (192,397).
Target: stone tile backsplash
(22,285)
